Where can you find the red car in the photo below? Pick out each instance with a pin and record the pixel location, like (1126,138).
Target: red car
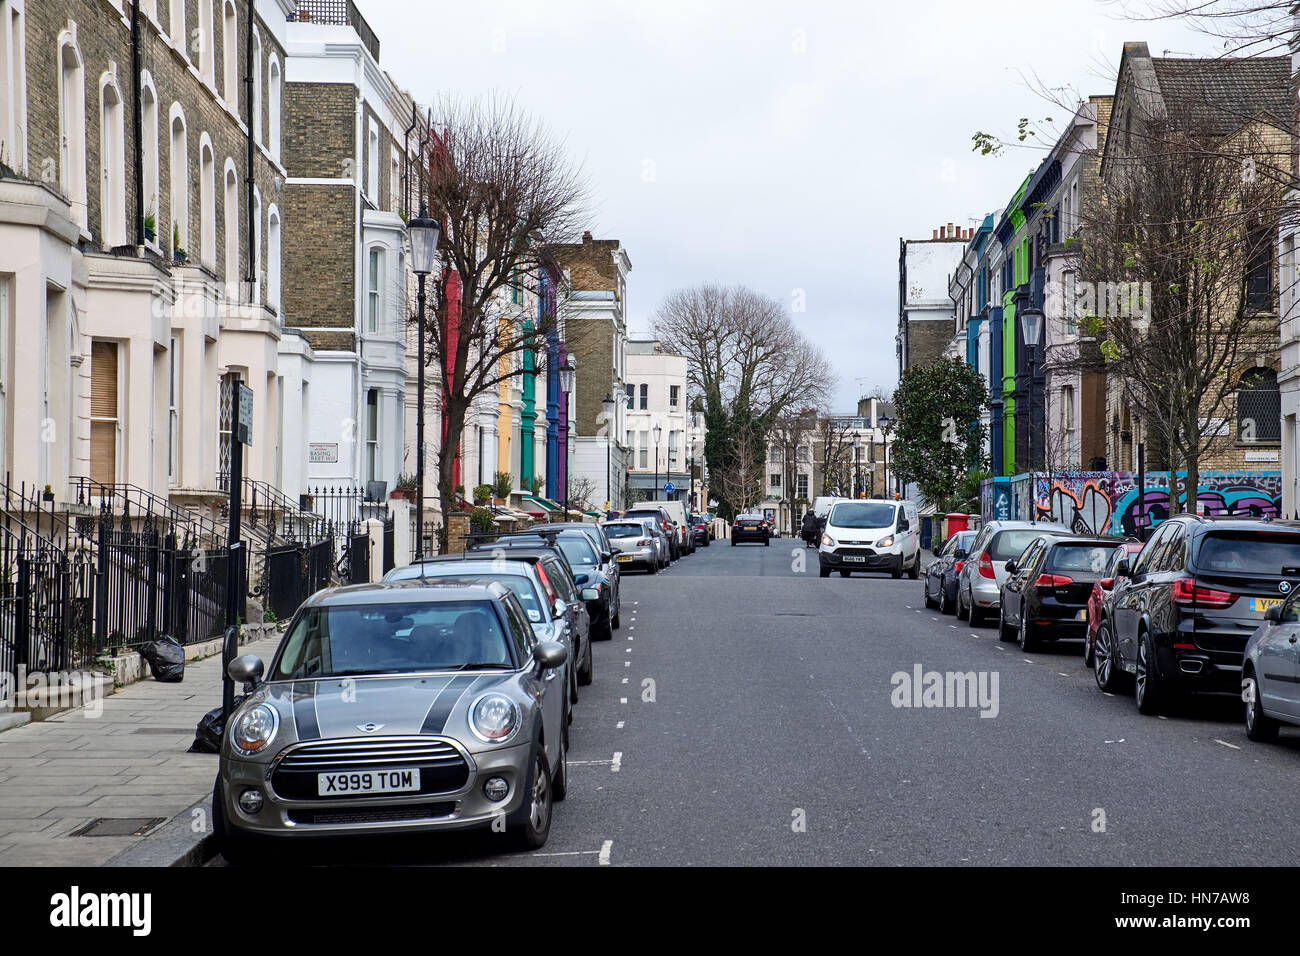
(1100,591)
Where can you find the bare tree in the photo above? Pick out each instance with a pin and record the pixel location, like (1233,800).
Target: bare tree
(507,194)
(740,480)
(835,436)
(748,362)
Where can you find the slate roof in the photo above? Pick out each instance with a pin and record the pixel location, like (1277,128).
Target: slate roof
(1219,96)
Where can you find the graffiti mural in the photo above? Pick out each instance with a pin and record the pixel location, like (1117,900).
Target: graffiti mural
(1107,502)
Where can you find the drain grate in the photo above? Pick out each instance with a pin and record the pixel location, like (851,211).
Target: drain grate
(118,826)
(161,730)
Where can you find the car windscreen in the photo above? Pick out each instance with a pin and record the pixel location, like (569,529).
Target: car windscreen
(346,640)
(1238,552)
(519,583)
(862,514)
(1007,545)
(625,530)
(1091,558)
(578,550)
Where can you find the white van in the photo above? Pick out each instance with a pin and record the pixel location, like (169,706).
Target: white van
(868,534)
(822,504)
(677,511)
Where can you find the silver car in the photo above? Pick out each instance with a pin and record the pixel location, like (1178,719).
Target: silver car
(979,587)
(634,545)
(396,707)
(1270,674)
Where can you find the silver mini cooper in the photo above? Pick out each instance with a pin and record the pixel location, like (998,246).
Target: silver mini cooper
(396,707)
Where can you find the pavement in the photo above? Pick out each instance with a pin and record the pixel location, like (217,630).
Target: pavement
(127,766)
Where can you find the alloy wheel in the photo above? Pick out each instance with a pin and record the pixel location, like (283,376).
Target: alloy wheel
(540,811)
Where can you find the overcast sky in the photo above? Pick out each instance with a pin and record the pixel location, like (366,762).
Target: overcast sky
(780,145)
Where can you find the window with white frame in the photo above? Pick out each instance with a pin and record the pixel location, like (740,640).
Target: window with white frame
(1067,421)
(206,43)
(372,434)
(374,283)
(176,24)
(149,147)
(207,203)
(801,484)
(72,128)
(673,391)
(232,231)
(173,409)
(643,446)
(257,87)
(230,55)
(273,102)
(645,397)
(13,88)
(180,182)
(775,481)
(372,165)
(631,396)
(256,293)
(112,163)
(273,255)
(1068,306)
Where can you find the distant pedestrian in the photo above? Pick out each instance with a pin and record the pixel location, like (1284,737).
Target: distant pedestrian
(810,530)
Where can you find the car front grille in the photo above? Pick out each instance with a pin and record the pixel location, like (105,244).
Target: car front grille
(395,814)
(442,768)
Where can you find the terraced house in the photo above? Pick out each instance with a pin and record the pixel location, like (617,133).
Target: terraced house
(141,238)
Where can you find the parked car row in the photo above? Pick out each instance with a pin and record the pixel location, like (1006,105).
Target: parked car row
(439,698)
(1206,605)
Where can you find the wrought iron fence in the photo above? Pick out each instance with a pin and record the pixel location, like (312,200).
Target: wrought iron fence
(424,541)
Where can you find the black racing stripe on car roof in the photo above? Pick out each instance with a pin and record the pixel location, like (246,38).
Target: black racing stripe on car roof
(304,710)
(445,703)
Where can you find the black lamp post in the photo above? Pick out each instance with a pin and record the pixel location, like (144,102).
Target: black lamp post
(1031,329)
(608,406)
(424,233)
(887,426)
(857,449)
(567,373)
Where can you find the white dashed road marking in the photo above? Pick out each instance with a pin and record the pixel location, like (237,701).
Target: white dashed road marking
(617,763)
(1226,744)
(604,852)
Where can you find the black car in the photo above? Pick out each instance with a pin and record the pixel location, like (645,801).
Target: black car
(941,575)
(600,541)
(700,529)
(1182,610)
(748,528)
(579,553)
(1047,588)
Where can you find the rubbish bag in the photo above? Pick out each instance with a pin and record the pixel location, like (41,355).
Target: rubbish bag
(207,736)
(166,660)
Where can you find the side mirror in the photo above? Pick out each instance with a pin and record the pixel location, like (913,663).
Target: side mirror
(605,556)
(1107,583)
(1122,569)
(247,669)
(590,594)
(903,524)
(1011,567)
(1274,614)
(560,608)
(550,654)
(581,579)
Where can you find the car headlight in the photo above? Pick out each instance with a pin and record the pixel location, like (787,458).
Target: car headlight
(255,730)
(493,718)
(885,542)
(828,541)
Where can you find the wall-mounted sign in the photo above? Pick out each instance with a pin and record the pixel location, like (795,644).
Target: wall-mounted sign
(324,452)
(1261,456)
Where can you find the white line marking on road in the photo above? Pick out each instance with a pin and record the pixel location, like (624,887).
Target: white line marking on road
(587,763)
(627,663)
(604,852)
(1027,660)
(636,602)
(619,725)
(622,700)
(1120,741)
(1162,716)
(1063,674)
(1226,744)
(953,626)
(1108,695)
(617,763)
(999,647)
(624,680)
(627,650)
(973,634)
(569,853)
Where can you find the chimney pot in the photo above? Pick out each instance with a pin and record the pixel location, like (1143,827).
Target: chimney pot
(950,230)
(934,233)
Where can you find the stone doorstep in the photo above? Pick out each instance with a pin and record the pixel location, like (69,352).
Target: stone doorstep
(128,668)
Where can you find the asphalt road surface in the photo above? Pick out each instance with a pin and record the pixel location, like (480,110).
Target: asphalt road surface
(745,714)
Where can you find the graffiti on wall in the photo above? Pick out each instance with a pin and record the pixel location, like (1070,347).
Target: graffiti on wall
(1108,502)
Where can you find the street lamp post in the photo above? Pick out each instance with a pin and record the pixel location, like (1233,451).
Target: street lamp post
(1031,329)
(424,233)
(567,375)
(857,448)
(887,426)
(654,492)
(608,406)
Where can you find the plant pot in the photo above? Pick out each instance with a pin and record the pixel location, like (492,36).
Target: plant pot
(149,234)
(400,494)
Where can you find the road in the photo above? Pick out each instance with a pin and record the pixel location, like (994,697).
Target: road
(745,715)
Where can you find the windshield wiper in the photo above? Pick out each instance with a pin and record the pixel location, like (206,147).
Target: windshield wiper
(466,667)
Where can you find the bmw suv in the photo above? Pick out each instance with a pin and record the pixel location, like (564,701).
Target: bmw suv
(1181,614)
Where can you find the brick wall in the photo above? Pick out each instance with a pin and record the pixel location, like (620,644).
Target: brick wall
(104,38)
(319,290)
(927,339)
(591,342)
(320,129)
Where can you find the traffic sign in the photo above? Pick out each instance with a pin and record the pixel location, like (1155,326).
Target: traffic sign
(244,424)
(669,487)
